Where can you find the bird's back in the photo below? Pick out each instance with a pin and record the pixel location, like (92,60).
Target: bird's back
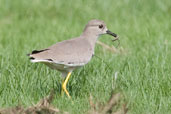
(74,51)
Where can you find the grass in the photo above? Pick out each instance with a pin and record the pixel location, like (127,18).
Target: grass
(144,69)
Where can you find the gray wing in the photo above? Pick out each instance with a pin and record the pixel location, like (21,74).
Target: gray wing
(73,51)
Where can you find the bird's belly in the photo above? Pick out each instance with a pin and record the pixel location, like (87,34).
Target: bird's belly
(61,67)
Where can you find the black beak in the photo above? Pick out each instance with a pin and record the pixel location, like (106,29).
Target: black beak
(111,33)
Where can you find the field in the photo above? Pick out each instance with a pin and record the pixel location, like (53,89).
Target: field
(143,60)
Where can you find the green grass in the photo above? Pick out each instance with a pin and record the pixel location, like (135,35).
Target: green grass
(144,69)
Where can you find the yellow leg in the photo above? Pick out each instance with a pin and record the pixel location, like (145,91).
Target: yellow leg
(64,83)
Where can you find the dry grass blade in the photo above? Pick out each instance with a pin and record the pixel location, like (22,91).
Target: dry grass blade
(108,108)
(13,110)
(47,100)
(93,106)
(42,107)
(123,110)
(112,49)
(111,103)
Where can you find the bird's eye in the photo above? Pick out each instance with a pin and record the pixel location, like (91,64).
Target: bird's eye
(100,26)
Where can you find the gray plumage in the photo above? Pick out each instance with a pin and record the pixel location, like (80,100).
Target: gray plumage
(67,55)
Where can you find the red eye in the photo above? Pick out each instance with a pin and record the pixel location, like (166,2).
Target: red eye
(100,26)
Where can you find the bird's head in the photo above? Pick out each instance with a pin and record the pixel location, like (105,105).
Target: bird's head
(97,27)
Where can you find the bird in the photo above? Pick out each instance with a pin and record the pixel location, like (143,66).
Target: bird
(68,55)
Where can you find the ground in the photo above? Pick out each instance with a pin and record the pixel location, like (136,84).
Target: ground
(140,70)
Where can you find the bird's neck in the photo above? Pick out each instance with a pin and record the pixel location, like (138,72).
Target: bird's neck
(91,38)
